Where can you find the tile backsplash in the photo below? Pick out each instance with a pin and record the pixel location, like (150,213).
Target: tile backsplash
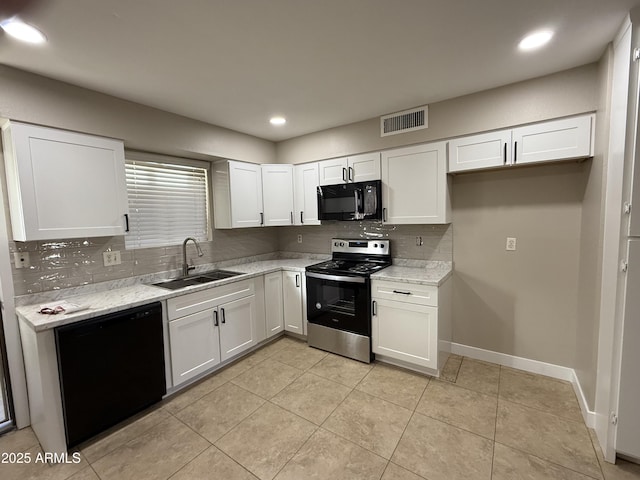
(437,240)
(60,264)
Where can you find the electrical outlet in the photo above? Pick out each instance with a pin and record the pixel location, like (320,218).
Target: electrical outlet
(300,238)
(419,242)
(21,259)
(111,258)
(511,243)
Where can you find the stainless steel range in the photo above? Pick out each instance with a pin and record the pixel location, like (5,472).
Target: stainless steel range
(339,297)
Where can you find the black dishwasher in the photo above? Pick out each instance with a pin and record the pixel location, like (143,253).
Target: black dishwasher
(110,368)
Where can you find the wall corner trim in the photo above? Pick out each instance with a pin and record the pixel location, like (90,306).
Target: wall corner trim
(532,366)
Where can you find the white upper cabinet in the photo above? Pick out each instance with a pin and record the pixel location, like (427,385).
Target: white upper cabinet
(237,194)
(556,140)
(357,168)
(63,184)
(415,187)
(306,182)
(277,194)
(563,139)
(480,151)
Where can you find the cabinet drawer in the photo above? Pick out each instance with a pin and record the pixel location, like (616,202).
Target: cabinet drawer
(210,298)
(405,292)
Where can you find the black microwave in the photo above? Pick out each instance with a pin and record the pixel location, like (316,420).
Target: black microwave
(350,201)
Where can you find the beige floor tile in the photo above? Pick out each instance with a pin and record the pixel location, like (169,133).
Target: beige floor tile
(451,368)
(328,456)
(510,464)
(85,474)
(371,422)
(312,397)
(219,411)
(544,393)
(299,356)
(395,385)
(269,350)
(479,376)
(438,451)
(265,441)
(551,438)
(192,393)
(105,443)
(157,454)
(238,368)
(18,441)
(267,378)
(34,467)
(395,472)
(463,408)
(212,463)
(342,370)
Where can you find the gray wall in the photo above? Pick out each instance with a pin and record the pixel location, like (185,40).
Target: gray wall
(566,93)
(36,99)
(522,303)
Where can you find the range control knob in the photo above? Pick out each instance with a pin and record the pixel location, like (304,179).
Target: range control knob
(342,244)
(375,245)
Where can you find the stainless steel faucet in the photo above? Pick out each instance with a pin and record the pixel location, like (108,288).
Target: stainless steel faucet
(185,266)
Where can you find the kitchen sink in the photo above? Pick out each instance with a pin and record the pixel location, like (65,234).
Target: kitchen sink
(198,279)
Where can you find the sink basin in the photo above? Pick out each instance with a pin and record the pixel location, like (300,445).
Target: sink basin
(199,279)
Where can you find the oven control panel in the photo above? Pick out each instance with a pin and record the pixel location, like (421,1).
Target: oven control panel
(366,247)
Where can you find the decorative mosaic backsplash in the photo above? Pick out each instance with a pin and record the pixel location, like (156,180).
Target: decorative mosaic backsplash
(437,240)
(71,263)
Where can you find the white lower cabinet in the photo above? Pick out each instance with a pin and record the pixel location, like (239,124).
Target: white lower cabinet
(411,324)
(274,315)
(195,345)
(292,294)
(237,326)
(209,327)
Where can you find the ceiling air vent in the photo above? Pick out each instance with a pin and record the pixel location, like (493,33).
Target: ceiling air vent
(407,121)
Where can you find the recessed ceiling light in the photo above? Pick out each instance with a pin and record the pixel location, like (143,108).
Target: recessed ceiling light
(278,120)
(22,31)
(535,40)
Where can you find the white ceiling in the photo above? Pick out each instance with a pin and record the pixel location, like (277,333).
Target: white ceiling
(320,63)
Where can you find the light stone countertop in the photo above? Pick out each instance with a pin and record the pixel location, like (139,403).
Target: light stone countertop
(114,300)
(433,273)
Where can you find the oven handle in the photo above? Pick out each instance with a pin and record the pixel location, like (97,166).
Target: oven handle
(336,278)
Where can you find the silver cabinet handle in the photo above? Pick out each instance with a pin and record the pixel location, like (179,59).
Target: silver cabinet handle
(301,217)
(384,214)
(297,280)
(215,319)
(375,308)
(351,175)
(402,293)
(223,316)
(344,174)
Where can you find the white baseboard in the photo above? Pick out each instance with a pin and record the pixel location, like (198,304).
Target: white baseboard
(532,366)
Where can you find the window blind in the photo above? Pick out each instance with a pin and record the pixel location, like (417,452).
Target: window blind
(167,203)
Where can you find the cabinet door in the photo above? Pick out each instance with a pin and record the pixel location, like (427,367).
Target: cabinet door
(237,326)
(273,303)
(277,194)
(64,184)
(333,171)
(556,140)
(194,345)
(292,299)
(406,332)
(364,168)
(245,183)
(306,198)
(415,188)
(476,152)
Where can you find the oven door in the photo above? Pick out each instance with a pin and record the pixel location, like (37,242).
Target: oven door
(340,302)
